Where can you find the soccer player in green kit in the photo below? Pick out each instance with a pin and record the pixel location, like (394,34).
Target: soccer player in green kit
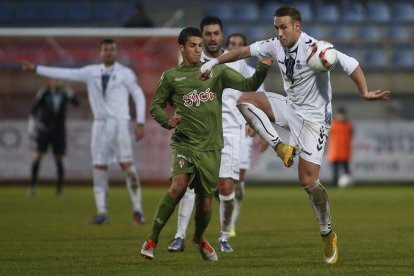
(198,137)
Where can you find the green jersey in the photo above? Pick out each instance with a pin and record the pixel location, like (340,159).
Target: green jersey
(199,102)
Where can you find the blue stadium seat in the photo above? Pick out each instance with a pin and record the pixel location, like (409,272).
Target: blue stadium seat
(106,10)
(398,33)
(27,11)
(256,32)
(78,11)
(403,12)
(222,10)
(375,59)
(354,12)
(327,13)
(370,32)
(316,31)
(6,12)
(268,9)
(403,59)
(342,33)
(245,11)
(305,9)
(378,12)
(124,10)
(52,12)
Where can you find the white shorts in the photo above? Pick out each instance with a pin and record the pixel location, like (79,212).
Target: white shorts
(111,142)
(246,150)
(230,161)
(309,137)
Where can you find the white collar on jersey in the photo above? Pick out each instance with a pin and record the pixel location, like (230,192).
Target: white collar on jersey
(206,58)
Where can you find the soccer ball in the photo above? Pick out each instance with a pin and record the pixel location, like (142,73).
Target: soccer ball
(345,181)
(321,56)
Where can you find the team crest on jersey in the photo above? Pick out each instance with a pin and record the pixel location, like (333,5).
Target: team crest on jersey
(298,65)
(195,97)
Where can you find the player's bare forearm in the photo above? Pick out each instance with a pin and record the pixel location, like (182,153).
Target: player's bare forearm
(358,78)
(235,54)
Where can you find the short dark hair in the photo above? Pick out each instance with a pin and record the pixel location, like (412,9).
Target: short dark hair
(107,41)
(186,33)
(210,20)
(236,34)
(292,12)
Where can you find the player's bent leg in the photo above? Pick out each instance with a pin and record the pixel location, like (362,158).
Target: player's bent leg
(226,196)
(258,114)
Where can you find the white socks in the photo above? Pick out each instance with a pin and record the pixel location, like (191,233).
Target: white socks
(259,121)
(226,213)
(320,204)
(184,213)
(134,188)
(239,193)
(100,189)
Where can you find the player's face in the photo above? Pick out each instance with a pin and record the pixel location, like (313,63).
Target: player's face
(286,30)
(108,53)
(191,51)
(212,36)
(236,42)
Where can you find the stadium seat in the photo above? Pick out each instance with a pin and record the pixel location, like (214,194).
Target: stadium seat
(316,31)
(268,9)
(106,10)
(6,12)
(342,33)
(370,33)
(375,59)
(398,34)
(222,10)
(354,12)
(403,59)
(26,11)
(403,12)
(78,12)
(245,11)
(52,12)
(327,13)
(305,9)
(257,32)
(378,12)
(124,10)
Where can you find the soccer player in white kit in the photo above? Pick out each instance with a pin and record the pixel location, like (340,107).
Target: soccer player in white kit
(211,29)
(306,109)
(109,85)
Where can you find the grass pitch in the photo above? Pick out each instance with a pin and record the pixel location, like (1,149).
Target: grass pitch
(277,234)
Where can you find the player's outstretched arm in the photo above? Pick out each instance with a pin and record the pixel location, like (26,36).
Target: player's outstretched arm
(231,56)
(359,79)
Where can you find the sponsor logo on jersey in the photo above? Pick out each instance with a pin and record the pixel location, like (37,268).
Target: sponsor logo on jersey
(180,79)
(195,97)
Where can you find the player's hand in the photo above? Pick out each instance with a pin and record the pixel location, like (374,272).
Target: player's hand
(28,66)
(266,60)
(250,131)
(139,132)
(174,121)
(379,94)
(206,69)
(263,145)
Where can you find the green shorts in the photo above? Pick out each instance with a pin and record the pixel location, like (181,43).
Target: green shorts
(203,167)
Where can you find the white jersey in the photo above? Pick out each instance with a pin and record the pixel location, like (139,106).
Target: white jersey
(231,116)
(309,94)
(111,103)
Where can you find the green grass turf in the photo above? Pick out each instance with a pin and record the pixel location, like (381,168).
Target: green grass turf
(277,234)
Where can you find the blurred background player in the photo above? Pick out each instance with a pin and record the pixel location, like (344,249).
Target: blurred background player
(306,109)
(47,127)
(197,141)
(235,41)
(109,85)
(340,145)
(233,125)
